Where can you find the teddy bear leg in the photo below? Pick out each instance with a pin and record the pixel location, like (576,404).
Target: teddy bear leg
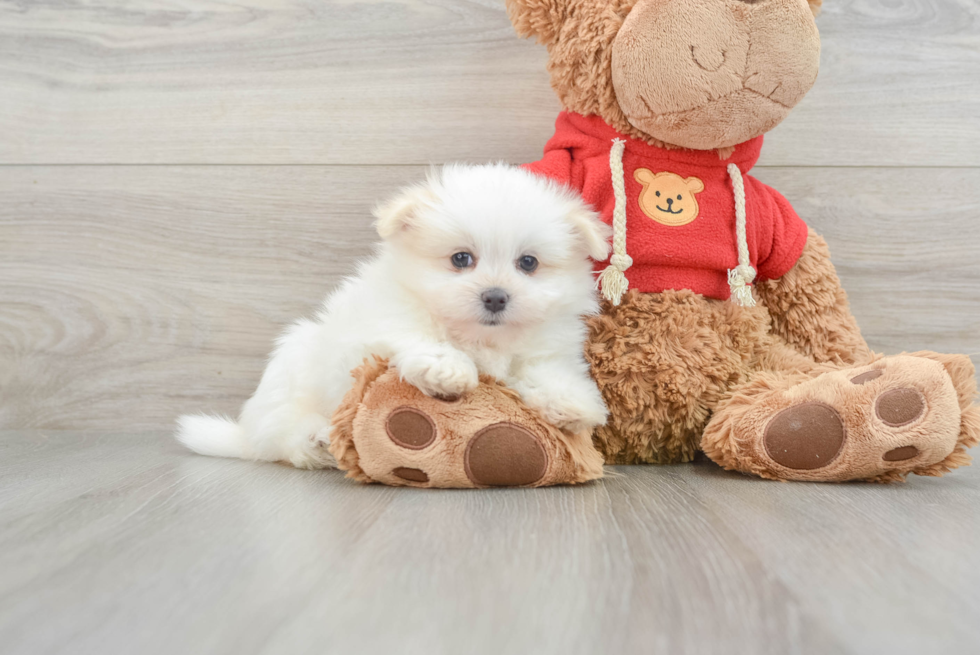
(388,431)
(878,422)
(663,362)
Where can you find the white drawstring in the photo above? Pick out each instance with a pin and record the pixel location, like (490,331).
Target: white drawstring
(740,277)
(613,280)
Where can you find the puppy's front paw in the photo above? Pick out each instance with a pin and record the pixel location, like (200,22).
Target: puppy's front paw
(444,375)
(576,410)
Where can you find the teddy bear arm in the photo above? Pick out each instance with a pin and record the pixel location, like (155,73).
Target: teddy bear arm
(810,310)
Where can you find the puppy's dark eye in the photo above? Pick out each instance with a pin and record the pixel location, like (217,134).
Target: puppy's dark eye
(462,260)
(527,263)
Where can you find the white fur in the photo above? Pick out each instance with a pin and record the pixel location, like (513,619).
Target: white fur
(411,305)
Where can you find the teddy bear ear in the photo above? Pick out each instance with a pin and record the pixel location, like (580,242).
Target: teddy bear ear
(541,19)
(694,184)
(644,175)
(401,212)
(815,6)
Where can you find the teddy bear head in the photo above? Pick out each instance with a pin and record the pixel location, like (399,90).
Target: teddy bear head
(700,74)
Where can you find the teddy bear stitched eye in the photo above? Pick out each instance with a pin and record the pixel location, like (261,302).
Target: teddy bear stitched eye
(462,260)
(679,197)
(658,194)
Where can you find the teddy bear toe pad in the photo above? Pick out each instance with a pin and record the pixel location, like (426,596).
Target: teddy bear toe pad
(900,407)
(898,415)
(410,474)
(410,428)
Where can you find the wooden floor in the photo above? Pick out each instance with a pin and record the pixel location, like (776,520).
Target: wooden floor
(181,178)
(127,544)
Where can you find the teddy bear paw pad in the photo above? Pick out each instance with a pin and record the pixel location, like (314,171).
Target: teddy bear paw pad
(805,436)
(505,455)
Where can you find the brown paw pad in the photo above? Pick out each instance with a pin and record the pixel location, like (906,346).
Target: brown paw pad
(868,376)
(900,407)
(505,455)
(412,475)
(900,454)
(804,437)
(410,428)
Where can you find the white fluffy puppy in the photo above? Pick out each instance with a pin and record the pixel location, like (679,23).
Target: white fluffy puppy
(482,269)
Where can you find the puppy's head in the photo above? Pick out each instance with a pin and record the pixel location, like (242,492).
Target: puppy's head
(494,250)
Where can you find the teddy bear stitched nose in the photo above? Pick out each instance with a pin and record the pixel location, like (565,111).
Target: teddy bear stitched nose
(670,201)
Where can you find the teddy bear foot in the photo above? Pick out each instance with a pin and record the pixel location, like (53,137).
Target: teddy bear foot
(387,431)
(880,422)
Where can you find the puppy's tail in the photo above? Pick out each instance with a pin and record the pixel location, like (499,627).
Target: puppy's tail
(216,436)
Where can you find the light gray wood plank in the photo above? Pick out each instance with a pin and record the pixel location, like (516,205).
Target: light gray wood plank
(134,294)
(122,280)
(907,253)
(842,550)
(897,87)
(129,544)
(419,81)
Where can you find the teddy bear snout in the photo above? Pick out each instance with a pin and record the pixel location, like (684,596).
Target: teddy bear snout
(681,70)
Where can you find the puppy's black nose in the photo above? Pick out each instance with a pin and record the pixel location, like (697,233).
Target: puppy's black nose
(495,299)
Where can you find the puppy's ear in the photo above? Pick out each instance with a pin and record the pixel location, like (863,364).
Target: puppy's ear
(815,6)
(401,212)
(592,233)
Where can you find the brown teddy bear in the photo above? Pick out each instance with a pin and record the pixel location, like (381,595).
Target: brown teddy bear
(672,97)
(725,327)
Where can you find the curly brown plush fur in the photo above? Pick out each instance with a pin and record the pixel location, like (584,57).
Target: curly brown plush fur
(579,36)
(664,362)
(810,311)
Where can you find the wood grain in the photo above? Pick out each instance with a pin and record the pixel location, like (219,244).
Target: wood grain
(134,294)
(420,81)
(125,543)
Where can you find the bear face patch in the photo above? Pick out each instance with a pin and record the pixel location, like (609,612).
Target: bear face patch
(668,198)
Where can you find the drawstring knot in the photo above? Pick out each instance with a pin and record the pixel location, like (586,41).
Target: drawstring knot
(621,262)
(739,283)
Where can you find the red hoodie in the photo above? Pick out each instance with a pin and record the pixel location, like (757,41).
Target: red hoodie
(680,207)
